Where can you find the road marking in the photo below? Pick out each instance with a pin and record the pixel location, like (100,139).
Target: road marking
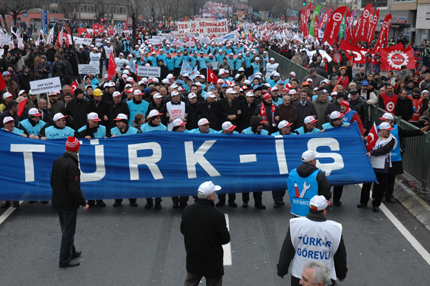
(227,247)
(409,237)
(412,240)
(7,213)
(249,158)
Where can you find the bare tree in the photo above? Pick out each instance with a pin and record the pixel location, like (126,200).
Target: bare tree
(3,12)
(17,7)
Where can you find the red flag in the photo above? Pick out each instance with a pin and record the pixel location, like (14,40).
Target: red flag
(316,27)
(64,36)
(98,29)
(308,16)
(375,21)
(21,106)
(394,57)
(372,137)
(211,76)
(2,83)
(362,36)
(112,67)
(302,21)
(331,31)
(359,53)
(369,25)
(110,31)
(325,18)
(81,31)
(73,87)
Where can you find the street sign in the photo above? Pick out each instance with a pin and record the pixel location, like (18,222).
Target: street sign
(44,21)
(25,15)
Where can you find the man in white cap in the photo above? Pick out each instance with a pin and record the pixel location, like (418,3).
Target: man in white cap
(284,128)
(116,107)
(33,124)
(120,62)
(92,129)
(309,127)
(304,182)
(205,231)
(271,68)
(175,109)
(229,107)
(9,126)
(380,157)
(7,97)
(247,108)
(137,105)
(203,127)
(58,130)
(313,238)
(153,122)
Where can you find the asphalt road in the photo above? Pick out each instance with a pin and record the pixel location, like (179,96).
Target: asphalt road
(134,246)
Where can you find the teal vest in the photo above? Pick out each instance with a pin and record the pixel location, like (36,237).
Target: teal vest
(117,132)
(249,131)
(328,125)
(16,131)
(146,127)
(301,130)
(32,130)
(301,191)
(55,133)
(100,134)
(137,108)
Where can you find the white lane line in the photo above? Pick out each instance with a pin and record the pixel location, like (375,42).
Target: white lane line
(227,247)
(7,213)
(409,237)
(412,240)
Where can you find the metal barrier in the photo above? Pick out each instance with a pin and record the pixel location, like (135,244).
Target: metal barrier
(416,158)
(286,66)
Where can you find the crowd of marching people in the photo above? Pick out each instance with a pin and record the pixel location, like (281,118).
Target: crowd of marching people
(237,89)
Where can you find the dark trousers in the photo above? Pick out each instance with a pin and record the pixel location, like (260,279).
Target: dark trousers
(181,200)
(390,187)
(194,280)
(365,193)
(120,200)
(278,196)
(337,193)
(151,201)
(258,197)
(176,72)
(379,188)
(231,198)
(68,228)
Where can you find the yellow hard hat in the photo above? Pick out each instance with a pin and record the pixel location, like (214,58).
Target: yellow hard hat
(97,92)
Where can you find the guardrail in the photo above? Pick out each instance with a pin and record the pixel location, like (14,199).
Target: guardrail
(286,66)
(416,158)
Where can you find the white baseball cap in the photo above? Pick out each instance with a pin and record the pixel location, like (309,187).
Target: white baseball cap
(230,90)
(318,203)
(21,92)
(274,88)
(310,119)
(58,116)
(387,116)
(130,79)
(385,126)
(7,119)
(116,93)
(284,123)
(335,115)
(334,93)
(174,93)
(7,94)
(220,81)
(192,95)
(165,81)
(121,116)
(293,73)
(154,113)
(34,112)
(309,80)
(210,94)
(272,59)
(276,74)
(293,91)
(249,94)
(308,156)
(208,188)
(178,122)
(257,58)
(137,92)
(203,121)
(173,86)
(157,95)
(247,82)
(110,84)
(228,126)
(93,116)
(169,76)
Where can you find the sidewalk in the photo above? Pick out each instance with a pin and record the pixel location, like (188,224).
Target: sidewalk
(416,201)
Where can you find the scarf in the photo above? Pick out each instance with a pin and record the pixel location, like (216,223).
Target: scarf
(263,112)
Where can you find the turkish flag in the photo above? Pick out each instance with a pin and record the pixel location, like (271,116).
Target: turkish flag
(111,31)
(73,87)
(112,67)
(21,107)
(81,31)
(98,29)
(2,83)
(372,137)
(211,76)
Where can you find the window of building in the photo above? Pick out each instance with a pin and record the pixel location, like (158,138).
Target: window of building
(401,1)
(379,3)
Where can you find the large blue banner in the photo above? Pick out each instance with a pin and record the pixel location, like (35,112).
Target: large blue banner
(165,164)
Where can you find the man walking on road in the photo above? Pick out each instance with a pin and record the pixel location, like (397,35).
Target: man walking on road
(66,198)
(205,231)
(313,238)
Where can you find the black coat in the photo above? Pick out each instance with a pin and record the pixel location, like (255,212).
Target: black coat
(247,113)
(191,110)
(303,111)
(24,81)
(77,111)
(205,231)
(226,110)
(404,108)
(101,108)
(114,110)
(65,183)
(211,114)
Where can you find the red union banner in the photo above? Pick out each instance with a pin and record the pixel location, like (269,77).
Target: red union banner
(204,27)
(325,18)
(393,58)
(332,29)
(362,36)
(358,52)
(383,34)
(316,27)
(372,28)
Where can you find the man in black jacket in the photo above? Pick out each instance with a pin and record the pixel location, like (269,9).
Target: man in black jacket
(315,235)
(66,198)
(78,109)
(209,109)
(247,108)
(205,231)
